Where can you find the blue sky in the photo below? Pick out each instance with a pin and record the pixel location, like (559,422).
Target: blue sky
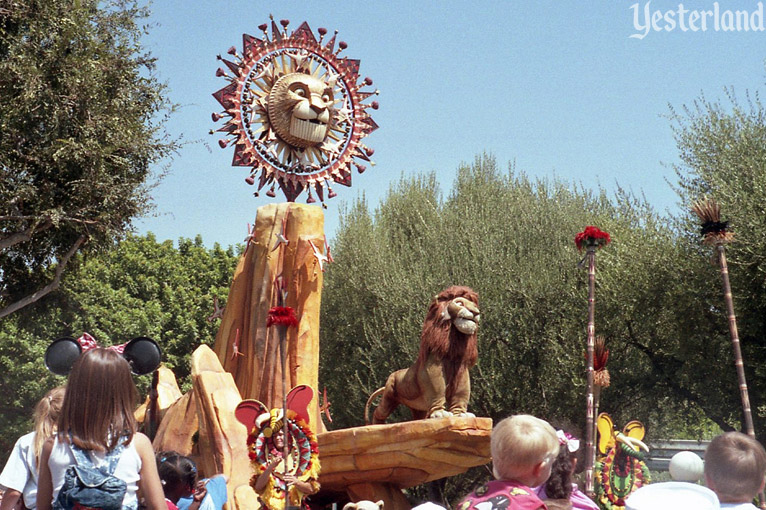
(559,87)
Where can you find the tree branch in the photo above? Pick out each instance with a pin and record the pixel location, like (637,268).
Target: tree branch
(53,285)
(47,219)
(660,368)
(21,237)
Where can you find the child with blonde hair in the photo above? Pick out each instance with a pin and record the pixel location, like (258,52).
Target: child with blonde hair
(19,477)
(523,449)
(97,429)
(735,466)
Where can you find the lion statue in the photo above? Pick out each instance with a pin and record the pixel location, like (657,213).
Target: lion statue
(437,385)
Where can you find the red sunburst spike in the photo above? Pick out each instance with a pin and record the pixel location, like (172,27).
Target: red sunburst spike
(368,81)
(216,116)
(220,72)
(223,142)
(250,180)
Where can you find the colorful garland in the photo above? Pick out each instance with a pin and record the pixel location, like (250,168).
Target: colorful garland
(304,454)
(616,484)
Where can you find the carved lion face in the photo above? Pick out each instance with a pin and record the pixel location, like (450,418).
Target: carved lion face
(464,314)
(299,109)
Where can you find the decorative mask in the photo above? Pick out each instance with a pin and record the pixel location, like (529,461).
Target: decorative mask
(299,109)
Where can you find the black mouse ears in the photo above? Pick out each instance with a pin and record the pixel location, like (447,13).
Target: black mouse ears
(142,353)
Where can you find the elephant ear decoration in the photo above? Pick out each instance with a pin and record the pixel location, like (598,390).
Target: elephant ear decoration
(621,469)
(263,424)
(605,428)
(142,353)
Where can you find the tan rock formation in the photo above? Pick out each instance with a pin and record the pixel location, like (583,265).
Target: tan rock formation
(246,347)
(376,461)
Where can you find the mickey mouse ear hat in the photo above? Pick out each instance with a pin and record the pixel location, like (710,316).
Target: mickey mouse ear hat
(142,353)
(61,355)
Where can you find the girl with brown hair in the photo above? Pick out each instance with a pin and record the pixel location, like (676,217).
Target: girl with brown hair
(97,424)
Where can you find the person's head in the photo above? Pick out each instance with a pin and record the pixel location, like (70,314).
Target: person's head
(178,475)
(735,466)
(523,448)
(46,416)
(559,484)
(279,439)
(99,402)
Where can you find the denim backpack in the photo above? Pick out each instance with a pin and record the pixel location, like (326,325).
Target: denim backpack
(88,487)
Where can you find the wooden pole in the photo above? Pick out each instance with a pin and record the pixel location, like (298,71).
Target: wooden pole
(738,361)
(590,419)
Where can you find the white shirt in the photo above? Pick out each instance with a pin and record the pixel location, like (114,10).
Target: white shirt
(20,472)
(128,468)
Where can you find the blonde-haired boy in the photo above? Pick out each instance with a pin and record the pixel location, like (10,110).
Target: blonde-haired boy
(523,449)
(735,466)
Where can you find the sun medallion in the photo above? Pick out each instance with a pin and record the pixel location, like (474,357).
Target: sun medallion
(294,111)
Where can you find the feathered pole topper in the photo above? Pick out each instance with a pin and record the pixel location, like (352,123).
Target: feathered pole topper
(716,233)
(601,377)
(592,238)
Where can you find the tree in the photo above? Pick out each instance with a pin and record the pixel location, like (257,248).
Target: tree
(722,147)
(512,240)
(140,287)
(82,119)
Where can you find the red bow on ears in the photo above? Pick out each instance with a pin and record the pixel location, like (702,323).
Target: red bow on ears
(252,413)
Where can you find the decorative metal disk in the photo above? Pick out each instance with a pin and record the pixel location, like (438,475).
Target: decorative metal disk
(294,111)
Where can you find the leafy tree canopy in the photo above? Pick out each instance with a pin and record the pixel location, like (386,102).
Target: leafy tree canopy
(82,120)
(140,287)
(511,239)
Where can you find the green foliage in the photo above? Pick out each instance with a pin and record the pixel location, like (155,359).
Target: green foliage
(512,240)
(138,288)
(146,288)
(82,120)
(723,156)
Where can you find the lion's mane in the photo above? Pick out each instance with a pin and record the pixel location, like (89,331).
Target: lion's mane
(442,339)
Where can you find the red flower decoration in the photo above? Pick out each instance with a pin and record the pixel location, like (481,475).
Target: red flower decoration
(592,236)
(282,316)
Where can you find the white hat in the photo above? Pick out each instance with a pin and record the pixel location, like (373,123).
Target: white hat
(686,467)
(428,506)
(672,496)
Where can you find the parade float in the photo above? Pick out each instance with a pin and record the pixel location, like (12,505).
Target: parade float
(295,112)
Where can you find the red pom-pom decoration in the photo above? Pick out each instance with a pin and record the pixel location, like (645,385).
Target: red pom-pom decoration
(282,316)
(592,236)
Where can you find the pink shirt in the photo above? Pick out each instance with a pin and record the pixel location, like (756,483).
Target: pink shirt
(502,495)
